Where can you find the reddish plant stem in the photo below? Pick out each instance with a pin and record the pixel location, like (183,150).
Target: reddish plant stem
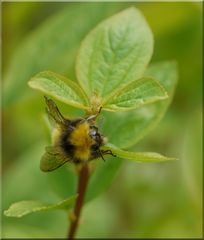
(82,186)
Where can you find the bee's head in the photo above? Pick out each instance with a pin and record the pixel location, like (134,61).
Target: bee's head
(98,138)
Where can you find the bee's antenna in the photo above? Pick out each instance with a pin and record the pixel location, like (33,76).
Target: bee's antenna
(99,110)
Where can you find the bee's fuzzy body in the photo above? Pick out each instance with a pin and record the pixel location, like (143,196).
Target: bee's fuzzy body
(78,140)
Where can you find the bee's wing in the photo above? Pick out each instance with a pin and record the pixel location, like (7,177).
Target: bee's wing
(54,113)
(52,159)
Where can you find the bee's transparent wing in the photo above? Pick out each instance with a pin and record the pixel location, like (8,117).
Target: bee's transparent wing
(52,159)
(54,113)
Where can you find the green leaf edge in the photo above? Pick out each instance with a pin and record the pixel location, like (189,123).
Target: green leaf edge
(141,157)
(75,87)
(124,87)
(65,204)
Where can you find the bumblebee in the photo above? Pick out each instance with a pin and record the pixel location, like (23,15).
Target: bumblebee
(77,141)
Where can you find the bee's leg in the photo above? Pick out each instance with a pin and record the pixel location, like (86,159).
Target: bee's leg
(101,154)
(108,152)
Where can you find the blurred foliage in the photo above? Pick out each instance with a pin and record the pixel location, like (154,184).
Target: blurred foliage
(162,200)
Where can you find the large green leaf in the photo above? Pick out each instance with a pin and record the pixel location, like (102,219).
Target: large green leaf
(115,52)
(136,94)
(125,129)
(22,208)
(60,88)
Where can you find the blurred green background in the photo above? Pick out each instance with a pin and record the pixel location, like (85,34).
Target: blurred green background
(144,200)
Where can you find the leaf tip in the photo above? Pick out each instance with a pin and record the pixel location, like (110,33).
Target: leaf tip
(31,83)
(132,9)
(166,159)
(6,213)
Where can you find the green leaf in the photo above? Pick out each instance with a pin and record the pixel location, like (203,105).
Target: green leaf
(142,157)
(60,88)
(134,125)
(136,94)
(23,208)
(115,52)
